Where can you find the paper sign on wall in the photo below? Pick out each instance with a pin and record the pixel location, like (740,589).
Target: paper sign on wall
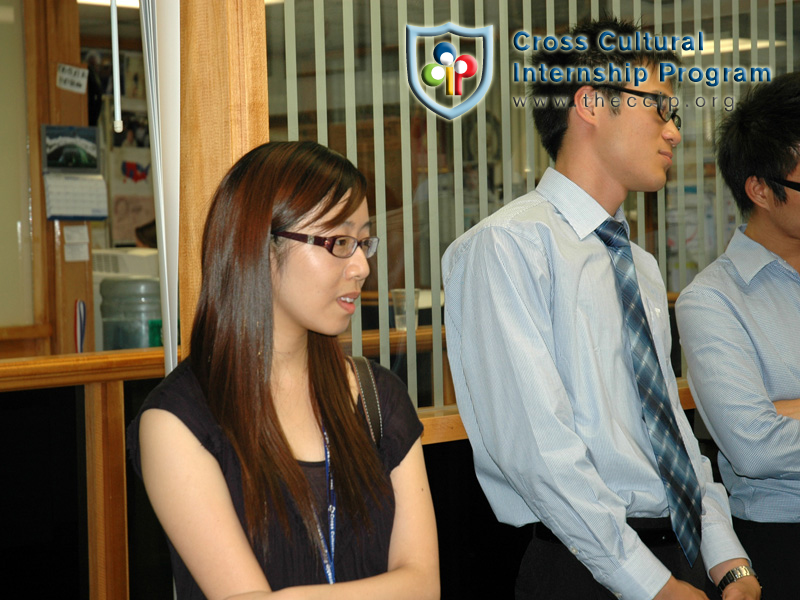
(71,78)
(76,243)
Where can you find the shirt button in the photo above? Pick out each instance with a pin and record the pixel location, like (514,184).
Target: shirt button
(573,549)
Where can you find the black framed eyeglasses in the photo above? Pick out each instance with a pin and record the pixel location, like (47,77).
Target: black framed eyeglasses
(341,246)
(792,185)
(661,102)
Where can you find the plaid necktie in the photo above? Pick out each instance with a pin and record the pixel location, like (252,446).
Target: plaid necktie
(677,473)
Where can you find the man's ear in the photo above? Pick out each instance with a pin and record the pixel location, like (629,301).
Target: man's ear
(585,102)
(759,192)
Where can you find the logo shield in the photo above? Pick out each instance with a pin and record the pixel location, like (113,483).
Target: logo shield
(449,112)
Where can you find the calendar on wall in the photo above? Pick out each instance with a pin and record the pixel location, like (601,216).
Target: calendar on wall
(73,184)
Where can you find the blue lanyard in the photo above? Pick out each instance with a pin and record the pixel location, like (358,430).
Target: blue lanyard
(329,545)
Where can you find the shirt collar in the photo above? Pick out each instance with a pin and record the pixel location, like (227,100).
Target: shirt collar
(583,213)
(747,255)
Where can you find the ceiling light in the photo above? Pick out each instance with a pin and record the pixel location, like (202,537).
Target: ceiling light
(120,3)
(135,3)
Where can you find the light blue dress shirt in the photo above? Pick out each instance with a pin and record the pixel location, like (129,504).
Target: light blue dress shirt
(545,386)
(739,322)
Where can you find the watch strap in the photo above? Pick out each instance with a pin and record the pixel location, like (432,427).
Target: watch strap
(734,574)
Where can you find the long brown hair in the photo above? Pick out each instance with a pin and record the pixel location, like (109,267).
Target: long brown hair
(271,189)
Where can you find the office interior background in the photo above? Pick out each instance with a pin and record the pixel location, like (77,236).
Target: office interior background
(336,74)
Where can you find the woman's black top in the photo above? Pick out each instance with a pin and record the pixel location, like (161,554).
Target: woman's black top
(292,560)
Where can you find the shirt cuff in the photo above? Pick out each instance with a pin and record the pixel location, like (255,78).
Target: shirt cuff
(719,543)
(640,577)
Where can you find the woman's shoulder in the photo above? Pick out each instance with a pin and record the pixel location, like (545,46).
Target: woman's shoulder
(401,425)
(388,382)
(180,394)
(180,380)
(392,392)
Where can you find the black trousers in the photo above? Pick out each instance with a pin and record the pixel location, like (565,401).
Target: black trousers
(549,571)
(774,550)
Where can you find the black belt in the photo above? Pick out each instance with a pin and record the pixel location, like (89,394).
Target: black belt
(652,532)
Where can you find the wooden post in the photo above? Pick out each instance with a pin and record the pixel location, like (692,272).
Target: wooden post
(52,36)
(106,491)
(223,115)
(71,281)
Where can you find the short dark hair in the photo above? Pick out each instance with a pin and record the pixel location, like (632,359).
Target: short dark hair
(761,137)
(551,119)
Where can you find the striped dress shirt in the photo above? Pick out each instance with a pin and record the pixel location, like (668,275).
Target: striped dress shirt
(739,322)
(545,386)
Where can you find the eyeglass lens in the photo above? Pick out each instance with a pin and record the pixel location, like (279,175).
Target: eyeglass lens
(345,246)
(662,104)
(666,112)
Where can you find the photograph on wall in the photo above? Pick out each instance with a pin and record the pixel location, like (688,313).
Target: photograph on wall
(133,69)
(72,149)
(131,171)
(98,60)
(128,213)
(135,131)
(131,184)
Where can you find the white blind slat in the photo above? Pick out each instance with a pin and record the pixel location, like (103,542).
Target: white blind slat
(351,135)
(380,179)
(290,49)
(321,72)
(408,215)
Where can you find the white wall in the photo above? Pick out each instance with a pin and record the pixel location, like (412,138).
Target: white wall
(16,287)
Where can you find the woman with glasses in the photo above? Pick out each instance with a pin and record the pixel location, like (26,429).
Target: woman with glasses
(255,451)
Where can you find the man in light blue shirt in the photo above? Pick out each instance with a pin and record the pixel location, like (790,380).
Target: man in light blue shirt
(542,364)
(739,322)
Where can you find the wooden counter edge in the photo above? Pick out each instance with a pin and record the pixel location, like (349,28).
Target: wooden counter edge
(80,369)
(685,394)
(25,332)
(445,425)
(145,363)
(441,424)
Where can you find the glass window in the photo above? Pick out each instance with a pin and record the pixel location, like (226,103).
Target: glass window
(337,75)
(16,268)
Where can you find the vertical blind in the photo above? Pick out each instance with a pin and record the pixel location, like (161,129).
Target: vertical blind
(337,75)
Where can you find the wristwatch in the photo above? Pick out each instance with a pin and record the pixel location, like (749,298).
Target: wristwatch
(734,574)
